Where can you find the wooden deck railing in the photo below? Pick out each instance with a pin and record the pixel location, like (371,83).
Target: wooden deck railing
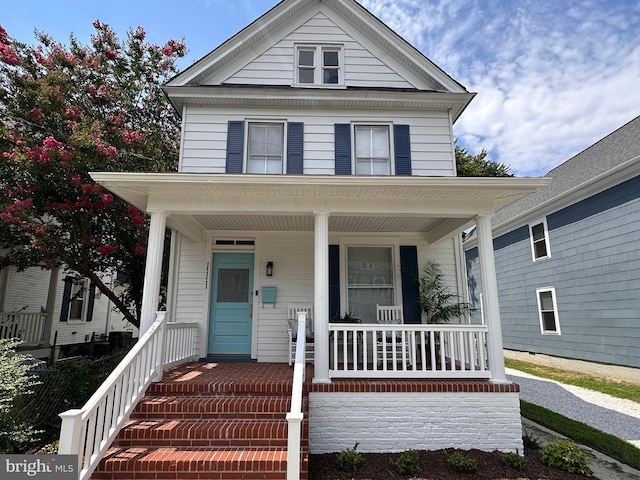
(89,431)
(26,326)
(408,351)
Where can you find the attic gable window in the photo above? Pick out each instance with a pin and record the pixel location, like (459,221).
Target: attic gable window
(319,65)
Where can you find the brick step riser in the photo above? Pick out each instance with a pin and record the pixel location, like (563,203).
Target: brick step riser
(204,389)
(212,408)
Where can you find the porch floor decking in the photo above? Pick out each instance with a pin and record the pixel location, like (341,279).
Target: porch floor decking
(278,378)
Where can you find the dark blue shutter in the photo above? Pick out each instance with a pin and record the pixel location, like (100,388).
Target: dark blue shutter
(334,281)
(235,146)
(295,148)
(66,298)
(90,300)
(402,146)
(410,278)
(342,147)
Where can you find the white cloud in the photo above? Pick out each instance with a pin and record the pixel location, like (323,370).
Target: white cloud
(552,77)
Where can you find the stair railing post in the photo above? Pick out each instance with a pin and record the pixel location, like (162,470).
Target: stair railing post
(161,347)
(71,434)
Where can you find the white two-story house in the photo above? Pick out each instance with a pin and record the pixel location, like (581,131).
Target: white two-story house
(317,167)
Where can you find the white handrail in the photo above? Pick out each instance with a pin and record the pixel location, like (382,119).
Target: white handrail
(89,431)
(295,415)
(408,351)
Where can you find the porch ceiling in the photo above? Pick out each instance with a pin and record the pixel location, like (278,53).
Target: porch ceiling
(434,206)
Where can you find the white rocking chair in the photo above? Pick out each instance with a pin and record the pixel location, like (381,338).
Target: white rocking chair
(292,319)
(392,344)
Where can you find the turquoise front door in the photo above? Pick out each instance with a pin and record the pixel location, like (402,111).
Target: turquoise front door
(231,303)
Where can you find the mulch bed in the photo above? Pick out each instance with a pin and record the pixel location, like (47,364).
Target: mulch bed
(434,466)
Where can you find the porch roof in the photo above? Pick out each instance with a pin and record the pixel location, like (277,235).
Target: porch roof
(437,207)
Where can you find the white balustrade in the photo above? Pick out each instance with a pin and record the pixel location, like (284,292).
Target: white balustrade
(28,327)
(408,351)
(89,431)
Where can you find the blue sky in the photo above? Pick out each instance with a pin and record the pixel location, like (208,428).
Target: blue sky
(552,77)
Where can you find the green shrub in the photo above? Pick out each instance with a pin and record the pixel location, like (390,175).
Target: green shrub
(349,460)
(513,460)
(16,384)
(462,463)
(565,455)
(407,463)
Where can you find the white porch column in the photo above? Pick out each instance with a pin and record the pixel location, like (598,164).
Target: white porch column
(153,270)
(321,298)
(490,299)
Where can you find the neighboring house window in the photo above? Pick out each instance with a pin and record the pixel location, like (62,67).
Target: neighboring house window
(319,65)
(539,240)
(265,148)
(548,310)
(372,150)
(77,300)
(369,280)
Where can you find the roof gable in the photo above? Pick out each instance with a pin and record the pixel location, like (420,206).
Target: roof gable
(237,59)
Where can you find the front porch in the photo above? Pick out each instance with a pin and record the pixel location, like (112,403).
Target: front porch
(206,419)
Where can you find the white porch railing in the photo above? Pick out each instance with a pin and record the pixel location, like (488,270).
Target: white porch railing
(28,327)
(408,351)
(295,415)
(89,431)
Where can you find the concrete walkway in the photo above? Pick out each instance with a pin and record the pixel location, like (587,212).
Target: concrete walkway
(606,413)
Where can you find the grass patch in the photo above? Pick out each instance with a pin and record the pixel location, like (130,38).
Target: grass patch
(581,433)
(627,391)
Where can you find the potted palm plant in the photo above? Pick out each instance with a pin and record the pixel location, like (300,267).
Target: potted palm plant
(436,302)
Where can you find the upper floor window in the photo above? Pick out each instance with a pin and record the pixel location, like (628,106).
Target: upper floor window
(548,310)
(265,148)
(319,65)
(372,150)
(77,300)
(539,235)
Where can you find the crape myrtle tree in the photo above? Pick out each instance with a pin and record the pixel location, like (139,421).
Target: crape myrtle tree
(65,111)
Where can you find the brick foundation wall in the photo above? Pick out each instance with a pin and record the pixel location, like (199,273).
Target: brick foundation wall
(431,420)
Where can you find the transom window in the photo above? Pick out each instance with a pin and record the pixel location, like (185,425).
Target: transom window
(319,65)
(539,240)
(372,150)
(548,310)
(370,280)
(265,148)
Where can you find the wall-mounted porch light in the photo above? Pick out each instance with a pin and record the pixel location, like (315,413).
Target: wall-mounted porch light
(269,269)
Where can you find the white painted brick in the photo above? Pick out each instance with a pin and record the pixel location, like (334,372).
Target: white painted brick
(383,422)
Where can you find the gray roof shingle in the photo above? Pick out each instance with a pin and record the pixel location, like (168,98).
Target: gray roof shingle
(606,155)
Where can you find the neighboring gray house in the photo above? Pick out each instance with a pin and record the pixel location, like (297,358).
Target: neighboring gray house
(568,259)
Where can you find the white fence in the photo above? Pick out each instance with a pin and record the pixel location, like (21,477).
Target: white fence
(89,431)
(28,327)
(408,351)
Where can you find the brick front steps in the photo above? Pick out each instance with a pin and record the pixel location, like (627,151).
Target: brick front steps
(207,421)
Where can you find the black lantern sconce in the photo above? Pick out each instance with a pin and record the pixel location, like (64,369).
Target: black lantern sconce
(269,269)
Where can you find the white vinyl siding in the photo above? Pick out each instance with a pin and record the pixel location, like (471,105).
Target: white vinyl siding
(276,66)
(205,136)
